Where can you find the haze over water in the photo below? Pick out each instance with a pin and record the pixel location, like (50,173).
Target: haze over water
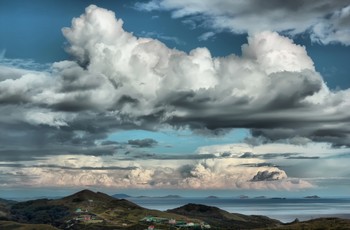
(285,210)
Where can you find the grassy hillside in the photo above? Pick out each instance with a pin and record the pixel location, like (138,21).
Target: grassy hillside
(10,225)
(221,219)
(318,224)
(86,210)
(5,208)
(94,210)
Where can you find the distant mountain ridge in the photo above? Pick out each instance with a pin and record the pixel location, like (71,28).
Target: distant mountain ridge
(121,196)
(212,197)
(312,197)
(163,197)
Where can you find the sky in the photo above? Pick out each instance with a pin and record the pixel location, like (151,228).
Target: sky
(172,96)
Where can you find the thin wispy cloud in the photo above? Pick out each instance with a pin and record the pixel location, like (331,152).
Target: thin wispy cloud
(324,21)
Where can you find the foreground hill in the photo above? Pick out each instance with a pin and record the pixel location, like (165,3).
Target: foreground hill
(87,210)
(95,210)
(10,225)
(317,224)
(222,219)
(5,208)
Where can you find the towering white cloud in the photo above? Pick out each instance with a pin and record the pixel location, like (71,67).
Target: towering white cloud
(229,172)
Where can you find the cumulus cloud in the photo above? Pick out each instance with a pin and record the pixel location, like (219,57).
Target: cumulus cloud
(273,150)
(292,161)
(129,82)
(117,81)
(232,173)
(214,173)
(325,21)
(304,158)
(219,171)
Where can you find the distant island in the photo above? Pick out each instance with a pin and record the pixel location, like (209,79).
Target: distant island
(212,197)
(312,197)
(243,197)
(163,197)
(121,196)
(171,196)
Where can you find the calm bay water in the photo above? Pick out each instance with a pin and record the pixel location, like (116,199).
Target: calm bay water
(285,210)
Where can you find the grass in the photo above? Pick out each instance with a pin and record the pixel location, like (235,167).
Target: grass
(316,224)
(10,225)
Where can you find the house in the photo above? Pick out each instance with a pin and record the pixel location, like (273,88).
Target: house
(172,221)
(86,217)
(149,219)
(206,226)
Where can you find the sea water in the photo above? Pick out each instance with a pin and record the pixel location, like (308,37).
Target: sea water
(285,210)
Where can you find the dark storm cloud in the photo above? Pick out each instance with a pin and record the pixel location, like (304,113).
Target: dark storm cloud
(303,158)
(143,143)
(281,114)
(273,156)
(266,176)
(110,143)
(85,167)
(185,170)
(259,165)
(134,155)
(10,178)
(79,103)
(269,155)
(17,154)
(247,155)
(12,165)
(127,100)
(52,166)
(277,155)
(27,142)
(186,157)
(339,135)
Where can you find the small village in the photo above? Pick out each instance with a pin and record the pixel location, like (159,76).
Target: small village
(176,224)
(86,217)
(81,215)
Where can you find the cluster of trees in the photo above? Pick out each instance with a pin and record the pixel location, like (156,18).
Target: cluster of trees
(30,212)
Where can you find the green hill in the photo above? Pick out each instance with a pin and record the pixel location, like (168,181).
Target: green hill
(222,219)
(85,209)
(317,224)
(94,210)
(10,225)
